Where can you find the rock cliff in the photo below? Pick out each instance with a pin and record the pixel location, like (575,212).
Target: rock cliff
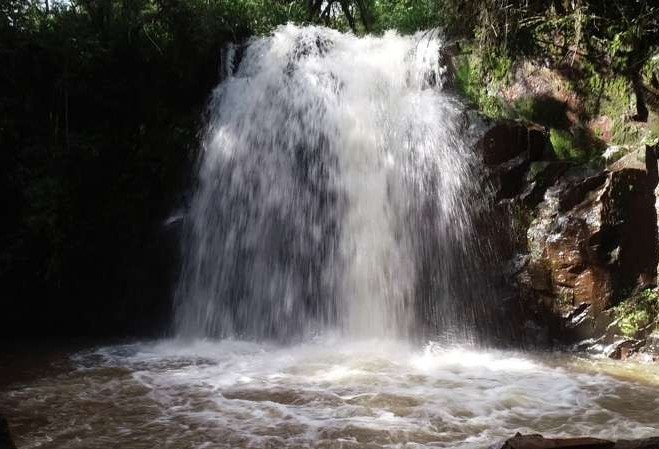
(584,236)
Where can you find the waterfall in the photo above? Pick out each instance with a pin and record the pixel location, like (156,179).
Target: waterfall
(336,191)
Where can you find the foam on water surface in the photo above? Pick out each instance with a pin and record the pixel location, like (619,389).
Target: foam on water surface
(327,393)
(337,194)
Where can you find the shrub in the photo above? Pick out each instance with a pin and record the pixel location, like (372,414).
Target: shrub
(637,312)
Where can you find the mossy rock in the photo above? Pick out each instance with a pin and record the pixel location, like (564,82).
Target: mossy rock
(544,110)
(479,79)
(567,147)
(637,313)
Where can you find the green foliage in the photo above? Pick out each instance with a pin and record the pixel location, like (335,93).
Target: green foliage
(479,79)
(567,146)
(638,312)
(101,100)
(99,115)
(345,15)
(406,16)
(653,137)
(603,94)
(613,30)
(521,218)
(617,95)
(604,49)
(544,110)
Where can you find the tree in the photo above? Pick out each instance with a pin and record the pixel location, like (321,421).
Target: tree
(329,11)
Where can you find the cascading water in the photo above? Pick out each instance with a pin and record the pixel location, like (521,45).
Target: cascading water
(335,190)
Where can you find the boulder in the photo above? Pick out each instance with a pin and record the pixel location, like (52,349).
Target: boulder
(652,342)
(541,176)
(594,240)
(649,351)
(587,234)
(637,159)
(508,149)
(520,441)
(5,437)
(623,348)
(646,443)
(508,139)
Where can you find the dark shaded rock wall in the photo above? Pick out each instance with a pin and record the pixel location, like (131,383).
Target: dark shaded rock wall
(581,237)
(6,441)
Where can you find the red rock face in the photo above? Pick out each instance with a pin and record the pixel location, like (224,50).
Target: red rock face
(601,242)
(593,236)
(597,241)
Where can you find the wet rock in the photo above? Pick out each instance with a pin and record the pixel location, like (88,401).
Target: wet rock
(520,441)
(508,177)
(582,322)
(539,442)
(580,237)
(541,176)
(593,240)
(647,443)
(649,349)
(623,348)
(5,436)
(508,139)
(508,149)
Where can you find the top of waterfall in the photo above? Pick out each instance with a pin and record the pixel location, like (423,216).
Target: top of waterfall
(293,43)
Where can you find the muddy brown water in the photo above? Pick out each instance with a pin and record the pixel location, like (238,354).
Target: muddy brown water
(326,394)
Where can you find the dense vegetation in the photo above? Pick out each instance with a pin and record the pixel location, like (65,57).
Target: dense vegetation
(101,103)
(598,61)
(100,109)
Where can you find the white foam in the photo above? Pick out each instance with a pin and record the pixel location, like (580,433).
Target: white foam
(334,168)
(386,392)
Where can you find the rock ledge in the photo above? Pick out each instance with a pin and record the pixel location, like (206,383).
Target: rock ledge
(520,441)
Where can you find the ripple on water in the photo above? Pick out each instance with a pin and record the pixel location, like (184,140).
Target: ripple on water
(325,394)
